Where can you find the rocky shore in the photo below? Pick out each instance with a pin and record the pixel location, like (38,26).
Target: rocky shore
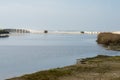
(109,40)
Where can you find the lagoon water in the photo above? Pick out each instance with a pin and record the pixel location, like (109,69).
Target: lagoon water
(28,53)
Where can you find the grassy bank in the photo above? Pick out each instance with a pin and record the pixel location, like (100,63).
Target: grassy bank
(96,68)
(109,40)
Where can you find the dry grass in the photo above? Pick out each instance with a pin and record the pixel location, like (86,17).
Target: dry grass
(107,38)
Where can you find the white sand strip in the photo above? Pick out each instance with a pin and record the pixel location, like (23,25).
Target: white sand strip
(117,32)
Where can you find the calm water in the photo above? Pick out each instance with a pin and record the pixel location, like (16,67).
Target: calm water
(30,53)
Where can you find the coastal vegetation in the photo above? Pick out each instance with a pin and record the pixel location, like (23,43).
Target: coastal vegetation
(3,31)
(109,40)
(101,67)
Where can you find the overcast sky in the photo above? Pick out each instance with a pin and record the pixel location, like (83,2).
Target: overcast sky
(59,14)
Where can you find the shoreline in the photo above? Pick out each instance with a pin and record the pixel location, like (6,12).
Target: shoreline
(98,67)
(87,65)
